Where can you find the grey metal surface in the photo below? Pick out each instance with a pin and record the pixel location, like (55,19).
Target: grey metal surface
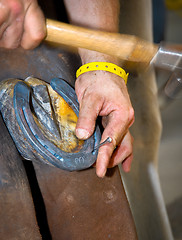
(170,151)
(168,58)
(142,183)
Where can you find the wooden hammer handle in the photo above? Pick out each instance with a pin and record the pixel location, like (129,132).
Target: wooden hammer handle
(125,47)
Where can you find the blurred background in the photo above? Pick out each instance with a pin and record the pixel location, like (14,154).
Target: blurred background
(167,17)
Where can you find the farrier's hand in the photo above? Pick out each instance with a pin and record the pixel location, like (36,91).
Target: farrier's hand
(22,23)
(105,94)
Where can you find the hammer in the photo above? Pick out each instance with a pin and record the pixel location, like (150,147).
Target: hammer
(136,54)
(128,48)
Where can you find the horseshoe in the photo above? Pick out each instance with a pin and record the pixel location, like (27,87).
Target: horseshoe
(50,152)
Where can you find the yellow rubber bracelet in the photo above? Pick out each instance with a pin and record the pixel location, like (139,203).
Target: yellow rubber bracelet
(104,66)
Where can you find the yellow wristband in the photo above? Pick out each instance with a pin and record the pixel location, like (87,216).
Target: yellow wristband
(104,66)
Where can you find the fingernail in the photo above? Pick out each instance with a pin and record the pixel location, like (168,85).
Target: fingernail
(82,133)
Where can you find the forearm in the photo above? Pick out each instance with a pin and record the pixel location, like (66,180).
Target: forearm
(101,93)
(94,14)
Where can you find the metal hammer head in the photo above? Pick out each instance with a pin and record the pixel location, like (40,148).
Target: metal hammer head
(168,58)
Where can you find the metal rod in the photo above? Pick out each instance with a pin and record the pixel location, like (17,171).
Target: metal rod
(108,140)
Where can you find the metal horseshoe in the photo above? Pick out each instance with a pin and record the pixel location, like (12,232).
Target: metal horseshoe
(54,155)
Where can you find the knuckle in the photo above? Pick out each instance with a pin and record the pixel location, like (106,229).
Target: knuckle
(127,114)
(33,41)
(39,36)
(129,147)
(16,8)
(131,114)
(114,142)
(3,17)
(128,150)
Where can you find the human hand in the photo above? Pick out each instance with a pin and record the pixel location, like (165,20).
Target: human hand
(105,94)
(22,24)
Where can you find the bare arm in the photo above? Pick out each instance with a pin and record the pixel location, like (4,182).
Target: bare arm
(101,93)
(96,14)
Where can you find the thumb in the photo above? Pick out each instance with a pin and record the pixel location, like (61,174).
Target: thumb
(89,110)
